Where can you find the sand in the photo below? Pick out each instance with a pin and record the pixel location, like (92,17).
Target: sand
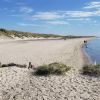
(21,84)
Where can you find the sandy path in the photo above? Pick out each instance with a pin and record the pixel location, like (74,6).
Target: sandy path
(20,84)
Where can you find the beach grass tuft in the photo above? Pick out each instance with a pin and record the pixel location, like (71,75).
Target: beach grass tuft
(91,70)
(53,68)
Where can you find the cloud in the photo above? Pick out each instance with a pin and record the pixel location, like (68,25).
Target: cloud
(30,25)
(26,10)
(17,15)
(79,19)
(79,14)
(97,13)
(93,5)
(82,14)
(47,16)
(58,22)
(25,24)
(61,15)
(69,14)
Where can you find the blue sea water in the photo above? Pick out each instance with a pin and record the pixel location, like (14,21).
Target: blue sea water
(93,50)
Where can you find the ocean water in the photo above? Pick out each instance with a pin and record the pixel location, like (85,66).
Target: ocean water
(93,50)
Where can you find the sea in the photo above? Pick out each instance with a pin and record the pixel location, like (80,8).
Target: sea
(93,50)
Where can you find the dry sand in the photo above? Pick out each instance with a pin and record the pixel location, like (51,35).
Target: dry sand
(21,84)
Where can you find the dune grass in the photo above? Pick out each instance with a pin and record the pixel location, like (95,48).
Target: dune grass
(53,68)
(91,70)
(19,34)
(13,33)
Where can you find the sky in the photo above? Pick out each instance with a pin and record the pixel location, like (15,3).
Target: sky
(65,17)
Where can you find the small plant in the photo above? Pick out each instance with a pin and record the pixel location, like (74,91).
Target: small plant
(92,70)
(42,70)
(53,68)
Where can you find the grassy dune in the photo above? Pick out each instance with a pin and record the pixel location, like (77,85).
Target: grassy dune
(13,33)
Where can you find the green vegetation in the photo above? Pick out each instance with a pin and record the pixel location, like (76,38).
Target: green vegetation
(92,70)
(53,68)
(12,33)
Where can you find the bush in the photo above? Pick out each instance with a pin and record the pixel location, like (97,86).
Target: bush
(53,68)
(42,70)
(92,70)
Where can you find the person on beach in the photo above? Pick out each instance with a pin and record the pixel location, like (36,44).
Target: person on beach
(85,42)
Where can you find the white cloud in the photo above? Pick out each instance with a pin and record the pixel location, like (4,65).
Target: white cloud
(16,15)
(64,15)
(47,16)
(79,14)
(57,16)
(97,13)
(30,25)
(79,19)
(25,24)
(93,5)
(82,14)
(58,22)
(26,10)
(22,24)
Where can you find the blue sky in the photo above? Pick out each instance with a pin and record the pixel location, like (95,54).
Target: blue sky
(75,17)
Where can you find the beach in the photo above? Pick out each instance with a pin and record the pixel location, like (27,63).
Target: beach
(21,84)
(41,51)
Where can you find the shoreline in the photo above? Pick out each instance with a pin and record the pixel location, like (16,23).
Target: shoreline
(86,57)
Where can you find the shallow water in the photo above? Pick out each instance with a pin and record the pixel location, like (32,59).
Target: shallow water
(93,50)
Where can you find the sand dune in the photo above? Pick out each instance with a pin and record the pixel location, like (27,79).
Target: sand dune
(21,84)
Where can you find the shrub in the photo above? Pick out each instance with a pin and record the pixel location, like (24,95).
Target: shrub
(42,70)
(92,70)
(53,68)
